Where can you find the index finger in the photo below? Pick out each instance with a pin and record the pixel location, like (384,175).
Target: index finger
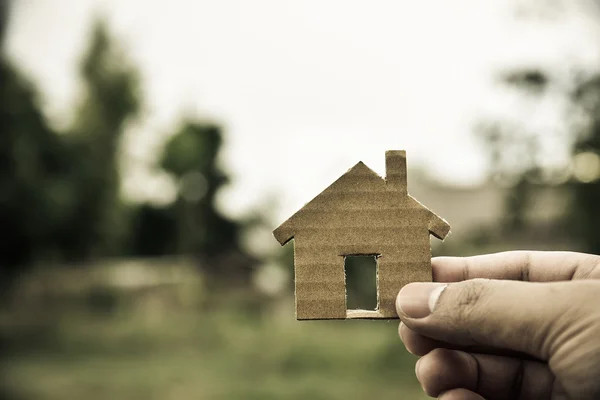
(534,266)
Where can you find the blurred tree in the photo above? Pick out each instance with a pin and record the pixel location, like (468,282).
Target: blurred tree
(4,6)
(59,192)
(154,231)
(502,139)
(506,142)
(110,101)
(190,156)
(512,160)
(585,210)
(192,225)
(34,194)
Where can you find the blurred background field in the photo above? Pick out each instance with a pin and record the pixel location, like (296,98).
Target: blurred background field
(147,152)
(100,337)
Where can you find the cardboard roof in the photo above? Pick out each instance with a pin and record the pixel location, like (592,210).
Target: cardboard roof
(285,232)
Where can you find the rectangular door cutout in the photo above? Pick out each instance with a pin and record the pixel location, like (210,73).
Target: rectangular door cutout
(361,282)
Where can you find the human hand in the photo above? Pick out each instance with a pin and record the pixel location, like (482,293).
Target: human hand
(530,329)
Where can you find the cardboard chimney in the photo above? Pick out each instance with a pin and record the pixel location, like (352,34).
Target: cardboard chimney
(360,214)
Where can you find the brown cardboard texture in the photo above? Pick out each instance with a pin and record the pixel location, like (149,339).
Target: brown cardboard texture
(360,214)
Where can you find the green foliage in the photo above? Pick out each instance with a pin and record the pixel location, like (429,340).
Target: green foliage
(192,225)
(4,9)
(154,231)
(35,195)
(60,191)
(515,154)
(586,205)
(195,147)
(516,205)
(191,158)
(513,157)
(110,101)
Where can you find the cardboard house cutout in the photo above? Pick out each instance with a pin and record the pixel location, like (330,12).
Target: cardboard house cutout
(360,214)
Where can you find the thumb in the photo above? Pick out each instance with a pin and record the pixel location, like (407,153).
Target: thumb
(532,318)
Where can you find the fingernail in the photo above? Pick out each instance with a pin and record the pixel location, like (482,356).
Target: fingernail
(417,300)
(417,370)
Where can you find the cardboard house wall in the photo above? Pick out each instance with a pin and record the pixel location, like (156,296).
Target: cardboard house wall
(360,214)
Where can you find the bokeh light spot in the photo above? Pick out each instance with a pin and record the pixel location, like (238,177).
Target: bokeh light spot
(193,187)
(586,167)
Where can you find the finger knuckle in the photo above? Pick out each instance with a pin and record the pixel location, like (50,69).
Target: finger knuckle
(433,370)
(593,271)
(469,298)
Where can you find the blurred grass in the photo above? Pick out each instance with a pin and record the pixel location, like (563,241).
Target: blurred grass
(149,344)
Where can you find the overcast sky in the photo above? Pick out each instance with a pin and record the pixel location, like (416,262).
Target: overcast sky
(306,89)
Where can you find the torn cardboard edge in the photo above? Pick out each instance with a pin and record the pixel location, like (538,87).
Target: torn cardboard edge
(360,213)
